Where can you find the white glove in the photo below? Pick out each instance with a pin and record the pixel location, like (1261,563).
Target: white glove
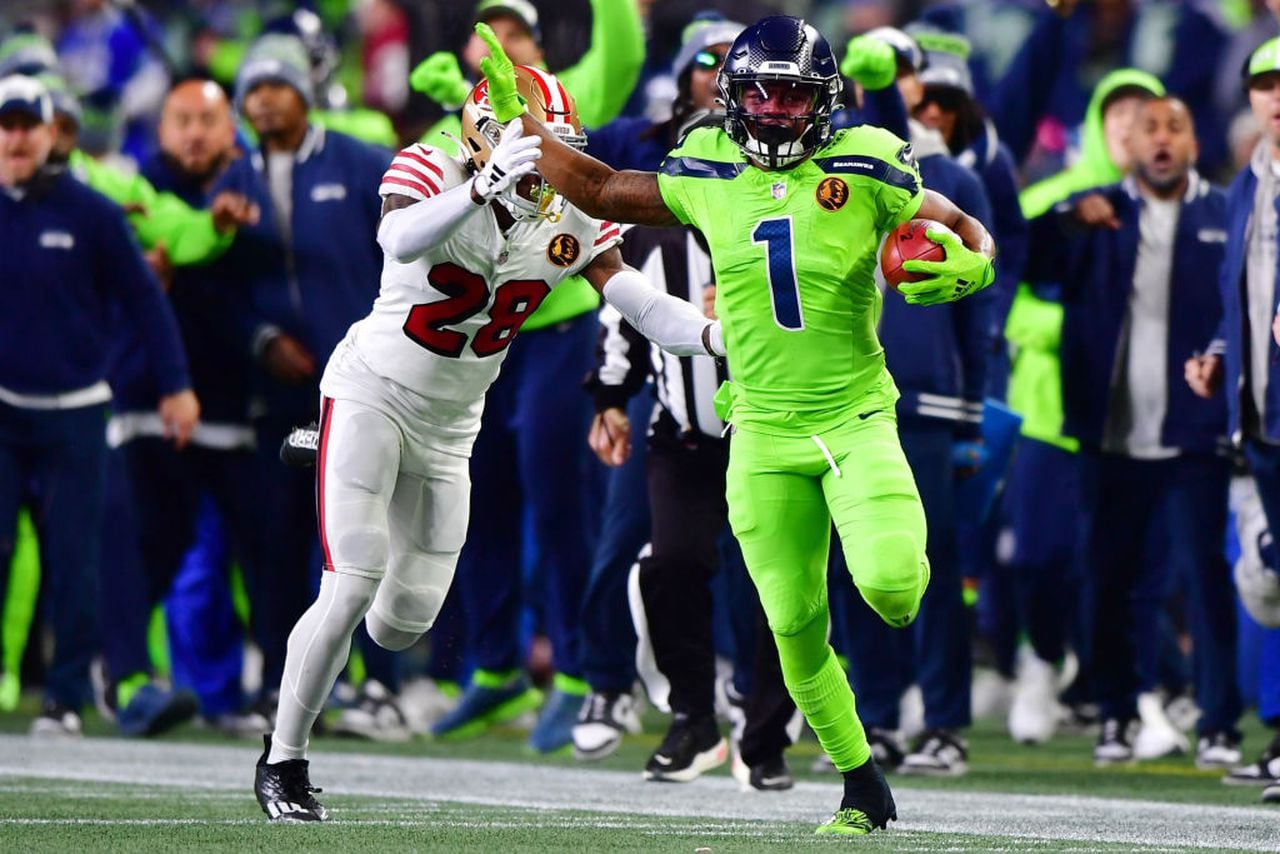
(511,159)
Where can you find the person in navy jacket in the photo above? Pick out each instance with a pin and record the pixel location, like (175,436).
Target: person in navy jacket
(1244,356)
(70,273)
(1141,258)
(164,492)
(305,272)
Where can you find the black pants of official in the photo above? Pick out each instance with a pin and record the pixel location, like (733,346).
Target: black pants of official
(687,501)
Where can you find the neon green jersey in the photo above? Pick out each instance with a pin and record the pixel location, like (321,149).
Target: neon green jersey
(794,254)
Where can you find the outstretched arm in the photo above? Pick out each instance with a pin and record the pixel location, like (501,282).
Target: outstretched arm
(585,182)
(671,323)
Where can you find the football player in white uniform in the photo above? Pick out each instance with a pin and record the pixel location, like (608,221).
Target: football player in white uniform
(472,248)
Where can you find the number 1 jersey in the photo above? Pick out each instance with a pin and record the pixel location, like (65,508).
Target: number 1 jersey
(441,324)
(794,253)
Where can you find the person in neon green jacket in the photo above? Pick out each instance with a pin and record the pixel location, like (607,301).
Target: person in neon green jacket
(1034,327)
(189,236)
(1044,522)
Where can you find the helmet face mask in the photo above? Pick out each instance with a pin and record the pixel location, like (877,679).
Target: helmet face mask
(779,86)
(531,197)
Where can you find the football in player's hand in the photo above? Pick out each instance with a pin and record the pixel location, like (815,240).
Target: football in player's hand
(907,242)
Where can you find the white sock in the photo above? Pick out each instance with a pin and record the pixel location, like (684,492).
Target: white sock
(318,648)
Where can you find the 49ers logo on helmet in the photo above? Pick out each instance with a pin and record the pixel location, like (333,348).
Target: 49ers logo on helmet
(832,194)
(563,250)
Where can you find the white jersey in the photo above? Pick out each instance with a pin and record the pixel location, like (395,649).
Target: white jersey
(442,323)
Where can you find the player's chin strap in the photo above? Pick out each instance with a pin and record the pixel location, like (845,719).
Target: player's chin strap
(671,323)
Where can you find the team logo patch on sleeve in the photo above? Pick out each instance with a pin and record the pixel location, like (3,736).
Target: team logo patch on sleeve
(832,194)
(563,250)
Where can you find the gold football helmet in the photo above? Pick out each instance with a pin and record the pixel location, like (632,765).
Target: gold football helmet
(546,100)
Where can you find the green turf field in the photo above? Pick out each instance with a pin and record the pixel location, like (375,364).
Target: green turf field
(192,790)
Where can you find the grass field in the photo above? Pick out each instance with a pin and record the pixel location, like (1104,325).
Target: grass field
(192,790)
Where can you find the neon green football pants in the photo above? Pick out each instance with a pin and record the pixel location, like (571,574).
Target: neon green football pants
(784,492)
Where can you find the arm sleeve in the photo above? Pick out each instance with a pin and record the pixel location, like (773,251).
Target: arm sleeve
(622,362)
(127,276)
(671,323)
(418,173)
(602,80)
(407,233)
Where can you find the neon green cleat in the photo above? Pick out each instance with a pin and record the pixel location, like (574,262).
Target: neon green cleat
(10,691)
(489,700)
(847,822)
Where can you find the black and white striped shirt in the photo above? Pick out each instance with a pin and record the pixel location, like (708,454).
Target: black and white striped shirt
(676,261)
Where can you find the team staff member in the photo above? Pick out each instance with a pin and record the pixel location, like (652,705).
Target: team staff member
(306,271)
(1244,356)
(1137,301)
(69,267)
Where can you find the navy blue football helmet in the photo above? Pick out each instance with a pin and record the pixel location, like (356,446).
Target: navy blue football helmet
(779,49)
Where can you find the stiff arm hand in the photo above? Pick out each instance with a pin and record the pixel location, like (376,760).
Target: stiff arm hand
(586,183)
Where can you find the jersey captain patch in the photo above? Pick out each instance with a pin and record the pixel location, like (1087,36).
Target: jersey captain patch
(832,193)
(563,250)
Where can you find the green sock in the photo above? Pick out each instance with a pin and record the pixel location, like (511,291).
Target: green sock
(822,693)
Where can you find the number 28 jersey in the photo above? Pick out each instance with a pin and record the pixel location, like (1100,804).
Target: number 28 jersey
(794,253)
(442,323)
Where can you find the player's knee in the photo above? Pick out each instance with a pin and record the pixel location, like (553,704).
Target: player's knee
(898,577)
(790,622)
(387,636)
(351,597)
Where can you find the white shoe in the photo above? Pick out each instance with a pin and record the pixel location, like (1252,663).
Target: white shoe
(1157,737)
(941,753)
(423,703)
(376,716)
(1035,711)
(1218,752)
(911,713)
(991,695)
(604,719)
(56,722)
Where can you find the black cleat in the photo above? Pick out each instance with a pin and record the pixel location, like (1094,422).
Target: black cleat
(284,789)
(867,805)
(300,447)
(691,746)
(772,775)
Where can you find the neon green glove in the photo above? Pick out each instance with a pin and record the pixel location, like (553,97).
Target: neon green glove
(501,75)
(440,78)
(870,62)
(961,273)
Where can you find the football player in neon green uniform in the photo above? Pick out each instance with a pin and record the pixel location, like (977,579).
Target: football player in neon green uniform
(793,216)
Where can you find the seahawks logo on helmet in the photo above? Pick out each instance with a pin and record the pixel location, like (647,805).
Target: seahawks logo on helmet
(563,250)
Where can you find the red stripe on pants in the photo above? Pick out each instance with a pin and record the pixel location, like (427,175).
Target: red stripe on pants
(326,414)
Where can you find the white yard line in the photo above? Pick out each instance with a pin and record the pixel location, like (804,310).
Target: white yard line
(715,799)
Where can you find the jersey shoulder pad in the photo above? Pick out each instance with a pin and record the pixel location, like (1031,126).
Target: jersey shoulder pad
(870,141)
(709,143)
(420,172)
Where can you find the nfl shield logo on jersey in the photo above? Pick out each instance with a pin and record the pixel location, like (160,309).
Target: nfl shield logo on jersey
(563,250)
(779,190)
